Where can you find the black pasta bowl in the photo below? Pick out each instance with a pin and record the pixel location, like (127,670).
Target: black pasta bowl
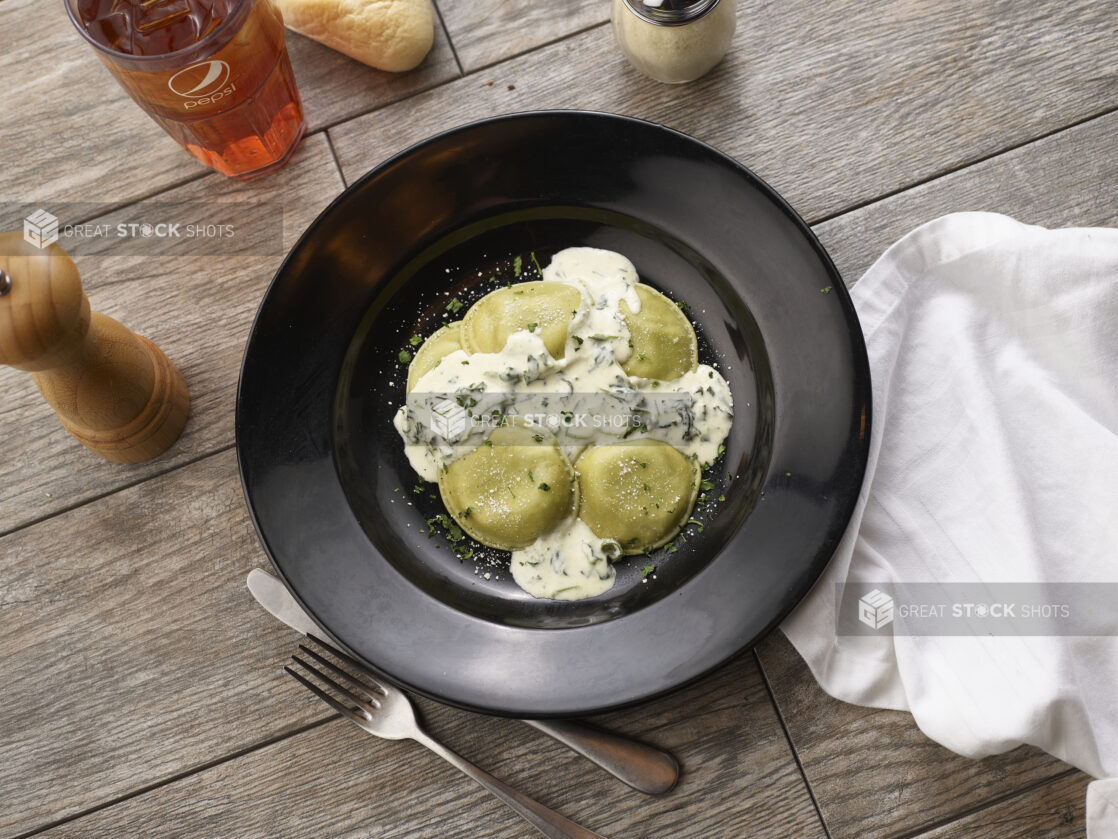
(341,514)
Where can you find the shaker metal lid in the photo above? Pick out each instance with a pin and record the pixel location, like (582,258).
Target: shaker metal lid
(670,12)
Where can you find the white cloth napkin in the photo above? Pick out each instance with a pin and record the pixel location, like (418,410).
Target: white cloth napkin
(993,347)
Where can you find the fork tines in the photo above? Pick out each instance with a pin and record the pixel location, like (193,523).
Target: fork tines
(365,695)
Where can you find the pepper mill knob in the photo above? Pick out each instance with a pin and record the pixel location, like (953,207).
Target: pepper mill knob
(114,391)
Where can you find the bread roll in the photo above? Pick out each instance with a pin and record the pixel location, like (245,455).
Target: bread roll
(392,35)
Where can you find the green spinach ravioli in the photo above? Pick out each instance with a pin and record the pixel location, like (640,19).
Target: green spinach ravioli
(541,308)
(663,340)
(437,346)
(638,493)
(588,367)
(511,490)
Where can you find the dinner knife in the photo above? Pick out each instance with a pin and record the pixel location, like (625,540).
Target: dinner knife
(643,767)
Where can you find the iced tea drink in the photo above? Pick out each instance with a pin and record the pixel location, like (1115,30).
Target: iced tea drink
(213,73)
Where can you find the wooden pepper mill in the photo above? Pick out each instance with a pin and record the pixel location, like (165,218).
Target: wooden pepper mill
(116,392)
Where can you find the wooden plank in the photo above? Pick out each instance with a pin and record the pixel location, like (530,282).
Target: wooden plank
(904,781)
(833,108)
(335,87)
(132,649)
(1053,811)
(1067,179)
(70,129)
(198,308)
(739,779)
(72,134)
(486,33)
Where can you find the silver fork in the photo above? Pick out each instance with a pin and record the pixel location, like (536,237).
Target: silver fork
(386,712)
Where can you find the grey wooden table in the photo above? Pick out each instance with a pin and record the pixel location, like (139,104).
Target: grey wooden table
(140,691)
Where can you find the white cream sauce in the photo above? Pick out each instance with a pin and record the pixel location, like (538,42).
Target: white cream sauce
(569,563)
(692,413)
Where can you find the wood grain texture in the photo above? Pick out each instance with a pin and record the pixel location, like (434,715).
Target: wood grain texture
(132,649)
(1065,180)
(198,309)
(336,781)
(486,33)
(334,87)
(904,781)
(833,106)
(1056,810)
(72,134)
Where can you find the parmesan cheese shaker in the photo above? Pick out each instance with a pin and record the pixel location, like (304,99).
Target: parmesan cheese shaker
(674,41)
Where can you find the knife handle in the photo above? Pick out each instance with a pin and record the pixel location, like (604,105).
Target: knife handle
(643,767)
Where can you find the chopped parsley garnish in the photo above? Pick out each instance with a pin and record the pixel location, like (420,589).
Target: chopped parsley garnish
(826,290)
(545,487)
(532,327)
(415,340)
(405,357)
(647,571)
(517,264)
(537,262)
(454,305)
(453,531)
(706,485)
(682,304)
(538,438)
(577,340)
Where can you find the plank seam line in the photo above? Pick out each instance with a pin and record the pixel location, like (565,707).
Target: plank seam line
(535,48)
(963,165)
(337,162)
(147,196)
(121,488)
(936,824)
(791,745)
(465,74)
(449,40)
(171,187)
(178,776)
